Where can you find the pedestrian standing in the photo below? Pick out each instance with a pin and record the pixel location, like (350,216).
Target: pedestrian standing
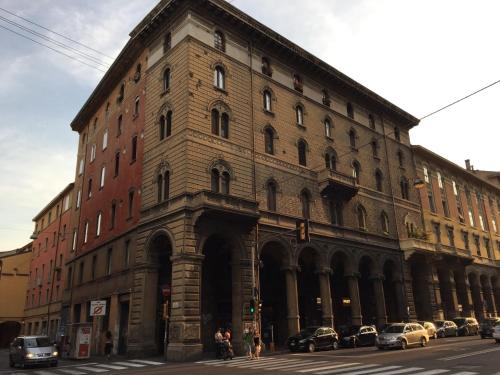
(218,343)
(108,346)
(248,341)
(257,344)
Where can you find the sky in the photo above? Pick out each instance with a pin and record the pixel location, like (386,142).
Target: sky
(420,55)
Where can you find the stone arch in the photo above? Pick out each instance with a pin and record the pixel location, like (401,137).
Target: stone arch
(222,166)
(220,106)
(341,263)
(368,273)
(391,281)
(165,107)
(309,261)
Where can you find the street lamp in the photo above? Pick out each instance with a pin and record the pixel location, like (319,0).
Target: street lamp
(418,183)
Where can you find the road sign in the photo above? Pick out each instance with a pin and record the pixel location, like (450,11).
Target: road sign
(98,308)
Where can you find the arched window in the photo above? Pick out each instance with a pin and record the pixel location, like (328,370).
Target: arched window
(384,221)
(121,95)
(299,114)
(352,138)
(225,180)
(361,214)
(267,101)
(219,41)
(166,185)
(162,127)
(297,82)
(266,67)
(374,145)
(165,125)
(331,160)
(117,163)
(219,77)
(336,209)
(356,171)
(397,134)
(378,179)
(215,180)
(137,75)
(350,110)
(159,187)
(371,121)
(326,97)
(220,123)
(269,140)
(302,149)
(328,128)
(89,189)
(305,201)
(405,188)
(400,158)
(166,80)
(271,196)
(169,124)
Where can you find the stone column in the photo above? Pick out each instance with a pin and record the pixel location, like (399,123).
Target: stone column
(352,281)
(326,296)
(453,298)
(437,312)
(185,321)
(469,308)
(490,298)
(477,297)
(292,300)
(401,300)
(378,290)
(114,321)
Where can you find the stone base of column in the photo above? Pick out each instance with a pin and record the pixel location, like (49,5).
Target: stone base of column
(357,320)
(180,352)
(293,325)
(328,321)
(142,349)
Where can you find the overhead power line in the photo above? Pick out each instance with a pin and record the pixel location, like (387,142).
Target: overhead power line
(91,58)
(53,49)
(56,33)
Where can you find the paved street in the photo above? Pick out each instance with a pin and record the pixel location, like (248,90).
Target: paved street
(454,356)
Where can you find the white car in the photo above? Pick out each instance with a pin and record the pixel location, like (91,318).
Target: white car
(496,333)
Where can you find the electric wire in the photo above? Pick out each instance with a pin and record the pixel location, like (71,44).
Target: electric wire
(56,33)
(93,59)
(53,49)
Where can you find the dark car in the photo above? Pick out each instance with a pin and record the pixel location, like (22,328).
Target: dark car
(312,338)
(446,328)
(358,336)
(467,326)
(486,327)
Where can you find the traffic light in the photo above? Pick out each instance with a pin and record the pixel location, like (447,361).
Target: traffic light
(260,307)
(252,307)
(302,227)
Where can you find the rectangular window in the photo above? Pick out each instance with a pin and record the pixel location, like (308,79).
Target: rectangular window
(487,247)
(426,175)
(117,163)
(478,245)
(108,261)
(481,210)
(78,198)
(126,257)
(66,203)
(136,107)
(469,207)
(86,232)
(451,236)
(98,226)
(437,231)
(440,180)
(103,176)
(92,153)
(465,237)
(119,130)
(73,243)
(94,265)
(80,167)
(134,148)
(432,206)
(113,214)
(105,139)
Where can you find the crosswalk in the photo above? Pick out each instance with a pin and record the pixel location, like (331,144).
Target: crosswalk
(312,367)
(93,368)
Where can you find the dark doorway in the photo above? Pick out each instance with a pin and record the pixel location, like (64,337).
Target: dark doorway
(476,295)
(123,330)
(340,293)
(391,298)
(161,251)
(216,290)
(446,293)
(420,286)
(366,292)
(308,287)
(273,294)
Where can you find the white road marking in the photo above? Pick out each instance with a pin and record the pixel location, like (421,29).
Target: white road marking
(431,372)
(45,373)
(92,369)
(71,372)
(130,364)
(112,367)
(469,373)
(328,367)
(371,371)
(153,363)
(246,363)
(300,364)
(403,371)
(345,369)
(259,363)
(235,359)
(469,354)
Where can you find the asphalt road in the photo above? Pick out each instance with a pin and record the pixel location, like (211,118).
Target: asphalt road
(452,356)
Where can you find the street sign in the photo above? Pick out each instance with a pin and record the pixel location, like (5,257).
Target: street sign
(98,308)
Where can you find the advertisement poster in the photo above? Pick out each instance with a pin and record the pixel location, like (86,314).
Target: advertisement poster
(83,342)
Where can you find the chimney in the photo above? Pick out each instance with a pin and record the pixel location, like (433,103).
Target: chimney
(467,164)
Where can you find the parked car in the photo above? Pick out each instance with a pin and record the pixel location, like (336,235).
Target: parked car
(32,350)
(486,327)
(402,335)
(312,338)
(467,326)
(430,327)
(446,328)
(496,333)
(358,336)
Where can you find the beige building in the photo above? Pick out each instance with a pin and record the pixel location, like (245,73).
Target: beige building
(14,272)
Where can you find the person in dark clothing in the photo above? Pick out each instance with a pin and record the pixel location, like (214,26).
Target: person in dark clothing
(108,346)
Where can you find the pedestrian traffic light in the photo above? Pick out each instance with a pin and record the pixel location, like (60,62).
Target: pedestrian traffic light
(252,307)
(302,227)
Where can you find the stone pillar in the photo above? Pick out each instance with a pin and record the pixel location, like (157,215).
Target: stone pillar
(453,298)
(437,310)
(477,297)
(378,290)
(401,300)
(469,308)
(352,281)
(490,298)
(114,321)
(326,296)
(292,300)
(185,321)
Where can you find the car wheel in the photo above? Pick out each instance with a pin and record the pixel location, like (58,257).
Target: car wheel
(441,335)
(404,345)
(311,347)
(423,342)
(335,345)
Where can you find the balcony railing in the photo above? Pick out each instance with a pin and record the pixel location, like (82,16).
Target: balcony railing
(333,184)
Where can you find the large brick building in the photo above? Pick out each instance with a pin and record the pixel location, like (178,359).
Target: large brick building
(205,142)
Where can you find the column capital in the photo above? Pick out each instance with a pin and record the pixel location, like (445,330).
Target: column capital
(324,271)
(291,268)
(353,275)
(377,277)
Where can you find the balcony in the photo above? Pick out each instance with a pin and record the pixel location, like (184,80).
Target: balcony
(336,185)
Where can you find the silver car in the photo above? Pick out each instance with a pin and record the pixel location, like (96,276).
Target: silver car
(402,335)
(32,350)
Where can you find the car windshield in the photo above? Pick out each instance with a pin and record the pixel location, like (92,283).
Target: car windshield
(351,331)
(459,322)
(38,342)
(439,323)
(394,329)
(308,331)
